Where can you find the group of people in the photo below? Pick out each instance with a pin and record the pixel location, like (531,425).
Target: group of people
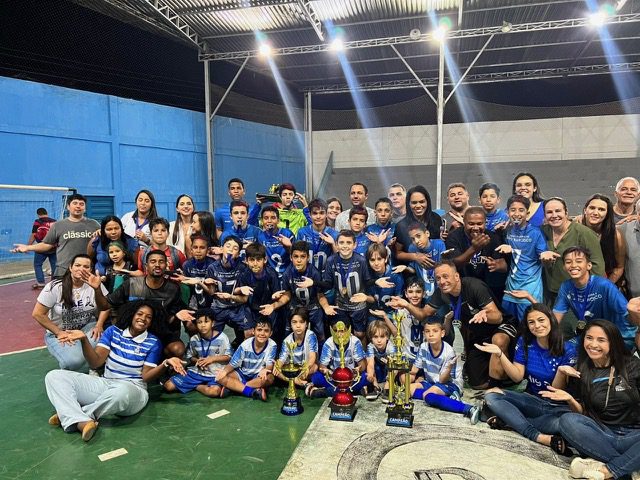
(536,296)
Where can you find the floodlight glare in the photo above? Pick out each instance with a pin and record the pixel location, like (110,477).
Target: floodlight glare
(337,45)
(598,18)
(506,27)
(264,49)
(440,33)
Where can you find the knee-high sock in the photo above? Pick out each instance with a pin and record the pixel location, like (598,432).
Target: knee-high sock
(445,403)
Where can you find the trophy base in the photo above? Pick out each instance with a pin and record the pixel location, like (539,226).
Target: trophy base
(342,413)
(399,417)
(291,406)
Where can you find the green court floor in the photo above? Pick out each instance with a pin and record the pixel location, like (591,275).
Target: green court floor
(171,439)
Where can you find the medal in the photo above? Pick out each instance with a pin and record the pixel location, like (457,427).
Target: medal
(343,291)
(580,326)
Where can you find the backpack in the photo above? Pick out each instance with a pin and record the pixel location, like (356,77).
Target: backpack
(42,227)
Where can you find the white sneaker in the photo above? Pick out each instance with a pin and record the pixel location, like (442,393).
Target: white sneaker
(593,475)
(635,475)
(580,466)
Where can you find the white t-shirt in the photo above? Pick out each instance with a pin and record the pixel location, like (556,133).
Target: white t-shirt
(180,240)
(130,227)
(84,311)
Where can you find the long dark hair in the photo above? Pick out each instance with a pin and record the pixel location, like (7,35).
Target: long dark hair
(619,357)
(537,194)
(178,224)
(153,213)
(555,339)
(427,214)
(67,282)
(104,240)
(607,232)
(158,323)
(208,227)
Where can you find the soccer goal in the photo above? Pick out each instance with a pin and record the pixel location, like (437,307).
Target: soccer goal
(18,206)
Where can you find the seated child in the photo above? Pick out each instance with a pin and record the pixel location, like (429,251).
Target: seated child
(305,351)
(378,349)
(330,360)
(250,371)
(209,350)
(441,383)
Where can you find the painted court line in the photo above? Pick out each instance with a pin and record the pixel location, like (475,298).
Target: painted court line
(15,283)
(112,454)
(22,351)
(219,413)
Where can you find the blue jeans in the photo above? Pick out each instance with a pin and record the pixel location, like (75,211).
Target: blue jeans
(38,260)
(617,446)
(69,357)
(527,414)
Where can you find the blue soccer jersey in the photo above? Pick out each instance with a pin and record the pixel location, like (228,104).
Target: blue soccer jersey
(222,216)
(277,256)
(226,278)
(433,365)
(264,286)
(383,295)
(434,250)
(302,296)
(128,355)
(526,268)
(603,300)
(362,243)
(193,268)
(348,277)
(353,354)
(377,229)
(202,348)
(249,362)
(246,235)
(319,250)
(494,218)
(540,366)
(302,351)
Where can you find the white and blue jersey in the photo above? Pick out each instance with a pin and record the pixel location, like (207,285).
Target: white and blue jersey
(353,354)
(373,352)
(249,362)
(302,351)
(302,296)
(227,279)
(540,366)
(128,355)
(202,348)
(412,332)
(434,250)
(434,365)
(319,250)
(383,295)
(362,243)
(348,277)
(494,218)
(526,268)
(377,229)
(277,256)
(600,298)
(222,216)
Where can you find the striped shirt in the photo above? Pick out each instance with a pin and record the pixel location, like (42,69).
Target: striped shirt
(301,352)
(373,352)
(127,354)
(433,365)
(202,347)
(353,354)
(249,362)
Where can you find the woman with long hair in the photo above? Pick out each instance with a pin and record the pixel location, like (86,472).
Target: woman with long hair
(598,216)
(70,303)
(136,223)
(180,230)
(540,353)
(525,184)
(334,208)
(204,225)
(111,230)
(605,423)
(132,357)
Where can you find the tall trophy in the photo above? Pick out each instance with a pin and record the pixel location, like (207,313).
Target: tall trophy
(291,403)
(343,403)
(400,407)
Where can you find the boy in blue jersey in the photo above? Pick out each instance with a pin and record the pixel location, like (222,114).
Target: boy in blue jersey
(320,237)
(240,228)
(378,350)
(354,359)
(301,288)
(410,308)
(357,223)
(250,370)
(383,230)
(223,277)
(378,258)
(208,351)
(305,351)
(497,218)
(437,377)
(222,214)
(528,249)
(591,297)
(277,241)
(195,271)
(429,251)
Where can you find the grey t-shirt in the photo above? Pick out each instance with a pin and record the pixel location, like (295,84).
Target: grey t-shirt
(71,239)
(631,234)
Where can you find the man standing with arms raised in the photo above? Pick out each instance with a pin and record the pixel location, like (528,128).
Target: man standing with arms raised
(358,195)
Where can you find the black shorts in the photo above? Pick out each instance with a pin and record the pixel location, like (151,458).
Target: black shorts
(476,366)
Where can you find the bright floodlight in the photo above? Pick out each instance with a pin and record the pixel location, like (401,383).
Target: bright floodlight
(440,33)
(264,49)
(598,18)
(337,45)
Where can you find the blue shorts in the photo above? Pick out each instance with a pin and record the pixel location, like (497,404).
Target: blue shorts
(244,378)
(189,382)
(358,319)
(235,317)
(448,388)
(514,309)
(316,320)
(381,371)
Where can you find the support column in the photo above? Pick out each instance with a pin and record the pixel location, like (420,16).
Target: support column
(440,104)
(308,144)
(209,126)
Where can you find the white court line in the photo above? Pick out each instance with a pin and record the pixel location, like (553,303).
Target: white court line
(217,414)
(113,454)
(19,281)
(22,351)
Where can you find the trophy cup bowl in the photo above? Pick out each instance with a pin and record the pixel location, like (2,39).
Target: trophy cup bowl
(343,403)
(291,403)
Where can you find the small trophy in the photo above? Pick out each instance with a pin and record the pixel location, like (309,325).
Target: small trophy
(291,403)
(343,403)
(400,407)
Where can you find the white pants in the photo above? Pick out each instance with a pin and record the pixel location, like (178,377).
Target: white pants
(78,397)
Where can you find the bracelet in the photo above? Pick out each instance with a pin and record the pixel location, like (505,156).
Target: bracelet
(165,363)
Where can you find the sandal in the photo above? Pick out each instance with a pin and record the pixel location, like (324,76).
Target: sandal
(560,446)
(496,423)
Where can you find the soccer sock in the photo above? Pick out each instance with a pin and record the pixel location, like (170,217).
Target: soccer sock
(419,394)
(248,391)
(445,403)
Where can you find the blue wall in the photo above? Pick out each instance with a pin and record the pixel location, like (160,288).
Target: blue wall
(106,145)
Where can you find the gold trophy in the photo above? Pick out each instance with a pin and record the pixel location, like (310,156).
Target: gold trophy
(343,403)
(291,403)
(400,407)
